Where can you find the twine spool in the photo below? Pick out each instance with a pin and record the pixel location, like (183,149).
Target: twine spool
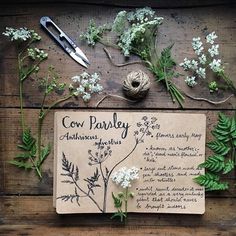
(136,85)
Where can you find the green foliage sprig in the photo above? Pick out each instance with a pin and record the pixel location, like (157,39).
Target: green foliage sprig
(29,58)
(224,154)
(136,34)
(123,178)
(163,70)
(120,200)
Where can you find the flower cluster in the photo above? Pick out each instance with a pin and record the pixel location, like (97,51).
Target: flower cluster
(21,34)
(130,29)
(94,33)
(124,176)
(190,81)
(85,84)
(35,53)
(135,33)
(141,15)
(100,156)
(198,66)
(138,22)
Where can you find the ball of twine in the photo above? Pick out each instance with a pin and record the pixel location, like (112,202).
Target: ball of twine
(136,85)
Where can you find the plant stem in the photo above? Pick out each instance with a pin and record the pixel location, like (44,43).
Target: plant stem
(40,123)
(57,102)
(105,188)
(36,168)
(228,81)
(126,202)
(86,194)
(21,94)
(21,107)
(31,70)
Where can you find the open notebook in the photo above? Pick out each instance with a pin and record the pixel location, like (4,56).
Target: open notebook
(166,147)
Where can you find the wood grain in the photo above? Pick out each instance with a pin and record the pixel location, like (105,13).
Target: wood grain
(140,3)
(38,210)
(180,26)
(116,230)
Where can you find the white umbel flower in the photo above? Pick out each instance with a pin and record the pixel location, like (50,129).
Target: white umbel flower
(76,79)
(194,65)
(210,38)
(214,50)
(201,72)
(215,65)
(124,176)
(21,34)
(86,97)
(197,45)
(202,59)
(186,64)
(190,81)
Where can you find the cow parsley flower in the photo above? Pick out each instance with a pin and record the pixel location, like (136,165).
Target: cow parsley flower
(216,66)
(21,34)
(85,75)
(205,59)
(136,32)
(190,81)
(35,53)
(197,45)
(201,72)
(186,64)
(86,97)
(194,65)
(140,15)
(124,176)
(76,78)
(80,89)
(214,50)
(94,33)
(202,59)
(85,85)
(210,38)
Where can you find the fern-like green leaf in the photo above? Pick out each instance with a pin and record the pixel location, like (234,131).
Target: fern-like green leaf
(223,129)
(224,121)
(21,164)
(117,201)
(211,182)
(233,125)
(218,147)
(44,153)
(24,155)
(214,163)
(27,140)
(229,165)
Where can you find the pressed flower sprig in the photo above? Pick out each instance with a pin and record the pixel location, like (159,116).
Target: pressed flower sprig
(207,59)
(123,178)
(136,34)
(33,152)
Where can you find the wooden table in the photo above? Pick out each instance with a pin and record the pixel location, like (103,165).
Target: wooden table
(25,202)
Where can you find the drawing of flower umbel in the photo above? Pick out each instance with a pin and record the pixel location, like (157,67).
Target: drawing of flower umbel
(85,177)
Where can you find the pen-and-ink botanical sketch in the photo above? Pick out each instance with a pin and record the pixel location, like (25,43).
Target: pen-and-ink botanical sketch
(102,174)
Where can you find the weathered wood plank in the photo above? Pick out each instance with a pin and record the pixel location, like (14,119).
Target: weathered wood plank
(180,26)
(15,181)
(140,3)
(115,231)
(30,210)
